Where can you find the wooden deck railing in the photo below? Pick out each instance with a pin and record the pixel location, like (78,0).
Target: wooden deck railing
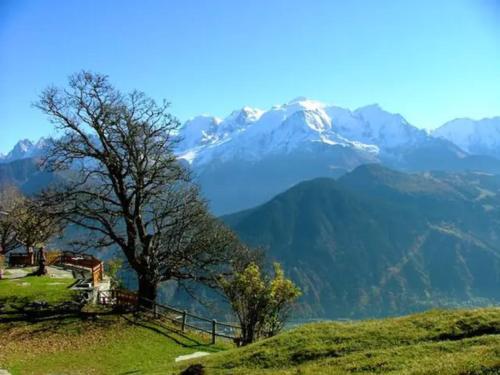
(95,265)
(21,260)
(181,318)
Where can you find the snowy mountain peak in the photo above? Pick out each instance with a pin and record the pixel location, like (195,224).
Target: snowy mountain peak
(196,131)
(303,103)
(25,148)
(251,134)
(474,136)
(23,145)
(42,143)
(245,115)
(388,130)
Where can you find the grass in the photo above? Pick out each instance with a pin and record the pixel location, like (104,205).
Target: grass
(99,342)
(436,342)
(89,342)
(106,345)
(30,288)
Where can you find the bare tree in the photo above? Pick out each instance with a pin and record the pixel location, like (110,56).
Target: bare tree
(33,224)
(9,198)
(24,222)
(127,186)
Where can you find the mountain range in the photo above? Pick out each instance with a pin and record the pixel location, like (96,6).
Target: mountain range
(376,241)
(251,155)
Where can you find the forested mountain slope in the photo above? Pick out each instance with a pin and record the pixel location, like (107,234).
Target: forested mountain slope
(378,242)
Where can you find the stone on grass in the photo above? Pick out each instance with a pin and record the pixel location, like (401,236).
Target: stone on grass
(191,356)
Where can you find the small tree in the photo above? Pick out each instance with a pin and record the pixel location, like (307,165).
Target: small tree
(261,303)
(10,197)
(113,269)
(33,224)
(283,293)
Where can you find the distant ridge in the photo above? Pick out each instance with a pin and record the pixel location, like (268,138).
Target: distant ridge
(251,155)
(380,242)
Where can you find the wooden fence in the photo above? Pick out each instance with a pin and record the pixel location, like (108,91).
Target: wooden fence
(86,261)
(32,258)
(90,262)
(181,318)
(21,259)
(118,297)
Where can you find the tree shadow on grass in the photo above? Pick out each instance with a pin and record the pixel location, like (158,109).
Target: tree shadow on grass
(169,332)
(47,318)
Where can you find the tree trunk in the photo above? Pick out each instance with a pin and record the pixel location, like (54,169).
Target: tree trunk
(42,269)
(247,334)
(147,292)
(31,255)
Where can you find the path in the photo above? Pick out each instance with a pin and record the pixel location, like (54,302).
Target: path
(56,273)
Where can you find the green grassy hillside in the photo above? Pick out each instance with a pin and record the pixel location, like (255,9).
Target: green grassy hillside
(60,339)
(97,341)
(436,342)
(14,292)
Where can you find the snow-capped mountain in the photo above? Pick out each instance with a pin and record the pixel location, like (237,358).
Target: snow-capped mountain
(251,155)
(475,137)
(252,134)
(25,149)
(373,125)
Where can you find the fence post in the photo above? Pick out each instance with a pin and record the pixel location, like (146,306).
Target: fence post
(155,310)
(214,325)
(184,317)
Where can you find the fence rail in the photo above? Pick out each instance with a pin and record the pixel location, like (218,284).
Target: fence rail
(21,260)
(179,317)
(89,262)
(95,265)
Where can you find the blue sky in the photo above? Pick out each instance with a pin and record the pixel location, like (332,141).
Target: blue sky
(431,61)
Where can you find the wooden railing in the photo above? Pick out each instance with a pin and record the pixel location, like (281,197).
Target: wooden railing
(21,260)
(32,259)
(90,262)
(86,261)
(181,318)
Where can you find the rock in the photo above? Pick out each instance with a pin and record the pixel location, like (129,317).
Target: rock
(191,356)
